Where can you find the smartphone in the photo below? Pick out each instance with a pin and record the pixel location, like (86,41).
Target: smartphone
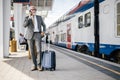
(30,13)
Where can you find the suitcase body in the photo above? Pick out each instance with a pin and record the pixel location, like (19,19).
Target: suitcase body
(49,60)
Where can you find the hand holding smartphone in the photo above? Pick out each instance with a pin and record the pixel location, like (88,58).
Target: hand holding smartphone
(30,14)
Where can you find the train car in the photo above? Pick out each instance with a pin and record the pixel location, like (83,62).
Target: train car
(75,30)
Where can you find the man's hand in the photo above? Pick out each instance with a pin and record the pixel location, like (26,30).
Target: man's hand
(42,34)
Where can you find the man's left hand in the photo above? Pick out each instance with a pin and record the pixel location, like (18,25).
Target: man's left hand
(42,34)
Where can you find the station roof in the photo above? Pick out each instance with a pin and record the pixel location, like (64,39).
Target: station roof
(43,6)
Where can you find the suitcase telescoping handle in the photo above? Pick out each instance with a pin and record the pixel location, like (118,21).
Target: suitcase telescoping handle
(48,44)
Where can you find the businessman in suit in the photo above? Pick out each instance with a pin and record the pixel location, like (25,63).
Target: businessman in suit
(33,35)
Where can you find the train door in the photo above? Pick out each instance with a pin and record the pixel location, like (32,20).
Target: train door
(69,36)
(118,18)
(56,39)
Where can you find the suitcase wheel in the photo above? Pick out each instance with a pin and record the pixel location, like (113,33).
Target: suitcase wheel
(52,69)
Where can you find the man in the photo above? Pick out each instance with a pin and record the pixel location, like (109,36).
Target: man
(33,35)
(23,41)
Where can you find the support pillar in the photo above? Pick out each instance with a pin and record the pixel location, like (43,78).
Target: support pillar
(19,13)
(4,27)
(23,18)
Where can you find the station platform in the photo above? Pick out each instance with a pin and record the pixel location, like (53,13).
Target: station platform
(68,67)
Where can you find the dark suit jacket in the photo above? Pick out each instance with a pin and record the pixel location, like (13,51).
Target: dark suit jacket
(28,24)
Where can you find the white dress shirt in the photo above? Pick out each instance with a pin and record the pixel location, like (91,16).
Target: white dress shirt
(35,24)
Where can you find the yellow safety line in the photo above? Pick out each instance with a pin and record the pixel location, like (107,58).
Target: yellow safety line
(116,72)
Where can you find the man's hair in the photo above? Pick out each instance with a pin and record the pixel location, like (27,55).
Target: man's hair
(21,34)
(32,7)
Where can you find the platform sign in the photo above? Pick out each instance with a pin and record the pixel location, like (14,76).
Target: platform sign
(69,36)
(21,1)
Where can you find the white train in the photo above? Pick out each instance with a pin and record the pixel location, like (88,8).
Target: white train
(75,30)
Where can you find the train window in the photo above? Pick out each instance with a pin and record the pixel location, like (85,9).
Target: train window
(80,22)
(87,19)
(118,19)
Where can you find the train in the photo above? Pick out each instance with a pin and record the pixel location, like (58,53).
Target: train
(75,29)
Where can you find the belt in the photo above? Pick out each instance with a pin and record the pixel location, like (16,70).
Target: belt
(36,32)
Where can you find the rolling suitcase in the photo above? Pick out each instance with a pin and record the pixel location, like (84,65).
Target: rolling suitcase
(48,59)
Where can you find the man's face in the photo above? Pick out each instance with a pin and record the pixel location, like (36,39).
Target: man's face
(33,10)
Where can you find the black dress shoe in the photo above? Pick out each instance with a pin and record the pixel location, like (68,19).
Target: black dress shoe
(34,68)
